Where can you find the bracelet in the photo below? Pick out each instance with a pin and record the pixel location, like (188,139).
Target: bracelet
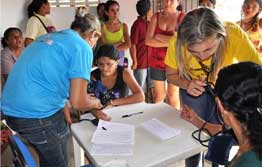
(114,105)
(187,85)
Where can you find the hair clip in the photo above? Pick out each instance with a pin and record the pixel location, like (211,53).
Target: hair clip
(81,11)
(229,92)
(259,109)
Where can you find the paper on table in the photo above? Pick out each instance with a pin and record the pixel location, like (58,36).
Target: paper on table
(113,133)
(113,137)
(160,129)
(112,150)
(114,126)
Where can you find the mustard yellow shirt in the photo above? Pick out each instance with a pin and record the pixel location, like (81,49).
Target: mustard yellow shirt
(239,49)
(113,37)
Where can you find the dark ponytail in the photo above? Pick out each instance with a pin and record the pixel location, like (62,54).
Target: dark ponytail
(34,6)
(239,87)
(109,51)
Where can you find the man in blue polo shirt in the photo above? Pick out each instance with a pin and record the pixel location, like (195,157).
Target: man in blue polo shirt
(55,67)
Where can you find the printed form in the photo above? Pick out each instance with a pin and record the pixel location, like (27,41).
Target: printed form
(111,138)
(160,130)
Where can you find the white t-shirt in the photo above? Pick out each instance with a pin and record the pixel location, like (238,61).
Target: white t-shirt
(35,28)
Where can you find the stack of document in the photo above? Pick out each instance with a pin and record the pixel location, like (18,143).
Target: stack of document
(111,138)
(160,130)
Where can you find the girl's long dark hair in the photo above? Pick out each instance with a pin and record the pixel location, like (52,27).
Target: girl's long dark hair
(239,87)
(107,6)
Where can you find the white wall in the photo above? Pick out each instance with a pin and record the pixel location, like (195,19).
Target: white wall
(13,13)
(63,17)
(128,12)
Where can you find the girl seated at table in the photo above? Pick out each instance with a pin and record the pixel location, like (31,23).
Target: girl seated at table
(239,98)
(115,79)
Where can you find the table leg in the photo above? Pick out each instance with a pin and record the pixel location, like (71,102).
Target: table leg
(78,153)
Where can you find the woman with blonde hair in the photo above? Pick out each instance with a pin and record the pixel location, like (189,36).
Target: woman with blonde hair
(203,46)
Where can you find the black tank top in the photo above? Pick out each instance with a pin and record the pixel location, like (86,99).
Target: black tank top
(120,88)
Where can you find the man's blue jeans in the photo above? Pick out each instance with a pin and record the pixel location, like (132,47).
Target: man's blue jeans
(49,136)
(142,77)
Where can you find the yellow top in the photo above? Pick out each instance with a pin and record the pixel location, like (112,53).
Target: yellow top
(113,37)
(239,49)
(255,36)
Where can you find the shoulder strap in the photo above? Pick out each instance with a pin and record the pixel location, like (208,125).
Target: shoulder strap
(41,23)
(96,74)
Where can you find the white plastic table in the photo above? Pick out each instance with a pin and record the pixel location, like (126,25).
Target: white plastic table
(148,151)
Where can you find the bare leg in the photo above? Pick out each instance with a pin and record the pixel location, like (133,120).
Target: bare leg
(173,96)
(159,91)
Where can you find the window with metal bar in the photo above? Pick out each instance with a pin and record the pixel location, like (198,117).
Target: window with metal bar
(73,3)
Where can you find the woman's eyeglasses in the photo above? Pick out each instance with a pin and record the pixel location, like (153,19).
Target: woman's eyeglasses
(97,34)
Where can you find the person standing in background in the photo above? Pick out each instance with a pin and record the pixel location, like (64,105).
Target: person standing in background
(115,32)
(49,72)
(12,43)
(38,24)
(100,10)
(207,3)
(139,52)
(251,23)
(162,27)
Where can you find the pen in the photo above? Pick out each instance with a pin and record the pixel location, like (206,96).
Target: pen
(104,128)
(129,115)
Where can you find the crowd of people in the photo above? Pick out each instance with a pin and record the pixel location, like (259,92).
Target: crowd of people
(184,59)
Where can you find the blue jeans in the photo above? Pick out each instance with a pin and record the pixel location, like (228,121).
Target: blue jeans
(142,77)
(204,106)
(49,136)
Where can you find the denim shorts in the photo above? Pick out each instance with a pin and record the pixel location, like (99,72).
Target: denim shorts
(143,78)
(49,136)
(157,74)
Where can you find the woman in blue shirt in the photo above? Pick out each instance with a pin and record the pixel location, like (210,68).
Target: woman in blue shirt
(55,67)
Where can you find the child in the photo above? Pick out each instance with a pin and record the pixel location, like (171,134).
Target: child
(139,51)
(251,23)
